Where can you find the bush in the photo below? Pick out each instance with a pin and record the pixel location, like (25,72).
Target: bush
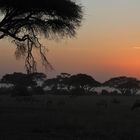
(105,92)
(114,93)
(20,91)
(5,91)
(93,93)
(38,91)
(77,91)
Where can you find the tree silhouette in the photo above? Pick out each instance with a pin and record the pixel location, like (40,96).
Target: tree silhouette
(19,79)
(25,20)
(127,85)
(130,87)
(83,82)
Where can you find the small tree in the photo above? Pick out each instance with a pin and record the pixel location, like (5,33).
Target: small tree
(63,79)
(127,85)
(19,79)
(52,84)
(83,82)
(130,87)
(24,84)
(104,92)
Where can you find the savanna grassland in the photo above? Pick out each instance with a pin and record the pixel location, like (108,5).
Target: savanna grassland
(50,117)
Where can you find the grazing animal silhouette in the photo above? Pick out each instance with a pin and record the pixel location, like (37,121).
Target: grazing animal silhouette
(135,105)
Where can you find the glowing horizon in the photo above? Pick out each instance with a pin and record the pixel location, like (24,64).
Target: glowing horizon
(107,44)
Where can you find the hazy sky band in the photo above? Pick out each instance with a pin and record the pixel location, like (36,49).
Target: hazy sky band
(107,44)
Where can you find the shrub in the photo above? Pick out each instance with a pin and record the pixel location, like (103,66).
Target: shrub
(20,91)
(38,91)
(77,91)
(105,92)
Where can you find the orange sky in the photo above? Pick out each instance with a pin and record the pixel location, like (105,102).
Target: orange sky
(107,44)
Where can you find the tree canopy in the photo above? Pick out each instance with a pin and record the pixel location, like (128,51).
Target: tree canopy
(25,20)
(81,80)
(19,79)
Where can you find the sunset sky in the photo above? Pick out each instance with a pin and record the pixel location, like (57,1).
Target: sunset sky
(106,45)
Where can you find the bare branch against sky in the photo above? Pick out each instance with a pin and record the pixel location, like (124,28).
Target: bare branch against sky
(24,21)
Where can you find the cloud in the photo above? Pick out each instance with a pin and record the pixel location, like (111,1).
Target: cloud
(136,47)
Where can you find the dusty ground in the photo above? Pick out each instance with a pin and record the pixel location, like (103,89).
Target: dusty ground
(71,118)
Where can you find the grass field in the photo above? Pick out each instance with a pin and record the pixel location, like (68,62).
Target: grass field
(69,118)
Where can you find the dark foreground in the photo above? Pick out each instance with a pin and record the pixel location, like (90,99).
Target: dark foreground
(69,118)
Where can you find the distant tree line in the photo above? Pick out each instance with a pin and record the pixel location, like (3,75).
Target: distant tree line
(65,84)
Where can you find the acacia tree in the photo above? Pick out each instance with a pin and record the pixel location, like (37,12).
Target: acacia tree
(25,20)
(82,81)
